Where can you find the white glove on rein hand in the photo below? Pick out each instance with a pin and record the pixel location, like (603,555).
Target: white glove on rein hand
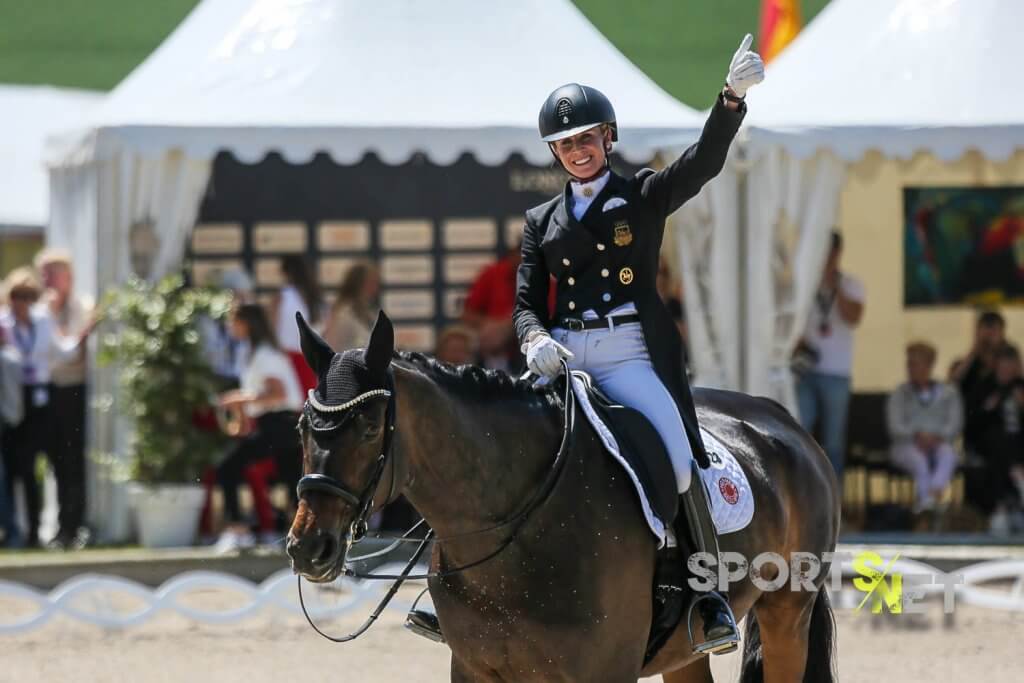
(544,356)
(746,68)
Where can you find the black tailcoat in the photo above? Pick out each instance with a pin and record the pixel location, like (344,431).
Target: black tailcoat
(610,257)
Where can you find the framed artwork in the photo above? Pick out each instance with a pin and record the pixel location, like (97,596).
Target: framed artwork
(963,245)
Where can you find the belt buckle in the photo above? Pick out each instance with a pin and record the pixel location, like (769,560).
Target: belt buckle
(573,324)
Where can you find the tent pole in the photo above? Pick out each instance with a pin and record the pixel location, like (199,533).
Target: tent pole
(743,280)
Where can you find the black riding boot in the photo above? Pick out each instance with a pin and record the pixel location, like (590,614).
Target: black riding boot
(720,632)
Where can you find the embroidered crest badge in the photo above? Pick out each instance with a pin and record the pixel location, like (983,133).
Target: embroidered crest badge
(730,492)
(623,235)
(626,276)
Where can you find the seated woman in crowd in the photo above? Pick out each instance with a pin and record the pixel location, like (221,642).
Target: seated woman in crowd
(267,405)
(925,418)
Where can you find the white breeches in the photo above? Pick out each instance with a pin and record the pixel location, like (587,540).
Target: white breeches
(931,476)
(621,367)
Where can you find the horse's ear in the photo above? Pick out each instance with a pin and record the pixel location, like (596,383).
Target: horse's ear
(318,353)
(382,345)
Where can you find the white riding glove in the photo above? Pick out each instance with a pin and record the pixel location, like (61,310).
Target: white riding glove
(746,68)
(544,356)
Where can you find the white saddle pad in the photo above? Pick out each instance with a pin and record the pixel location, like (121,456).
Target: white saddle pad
(732,503)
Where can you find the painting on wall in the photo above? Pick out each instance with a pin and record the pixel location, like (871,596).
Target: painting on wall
(963,245)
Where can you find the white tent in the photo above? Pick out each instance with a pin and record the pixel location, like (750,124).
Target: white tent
(895,80)
(345,77)
(29,115)
(897,76)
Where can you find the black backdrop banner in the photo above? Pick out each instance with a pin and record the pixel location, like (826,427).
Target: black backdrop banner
(429,228)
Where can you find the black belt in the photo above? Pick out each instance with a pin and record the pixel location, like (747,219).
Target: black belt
(599,323)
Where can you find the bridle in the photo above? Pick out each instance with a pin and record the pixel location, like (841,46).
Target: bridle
(324,483)
(363,502)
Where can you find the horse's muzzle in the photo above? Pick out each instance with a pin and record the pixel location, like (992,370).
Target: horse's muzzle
(316,555)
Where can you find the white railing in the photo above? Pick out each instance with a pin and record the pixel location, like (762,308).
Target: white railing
(102,600)
(90,598)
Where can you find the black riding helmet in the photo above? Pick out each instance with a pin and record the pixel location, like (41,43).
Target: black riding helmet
(572,109)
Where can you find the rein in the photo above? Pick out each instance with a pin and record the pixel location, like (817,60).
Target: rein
(357,530)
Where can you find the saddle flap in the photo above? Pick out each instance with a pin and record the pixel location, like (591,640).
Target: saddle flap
(640,448)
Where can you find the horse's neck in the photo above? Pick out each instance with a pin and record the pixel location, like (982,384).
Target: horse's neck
(469,463)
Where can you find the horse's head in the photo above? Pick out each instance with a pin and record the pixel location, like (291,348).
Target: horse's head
(346,435)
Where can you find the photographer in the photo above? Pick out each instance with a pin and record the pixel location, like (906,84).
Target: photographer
(823,386)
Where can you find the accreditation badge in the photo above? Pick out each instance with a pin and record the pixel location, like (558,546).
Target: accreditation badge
(623,235)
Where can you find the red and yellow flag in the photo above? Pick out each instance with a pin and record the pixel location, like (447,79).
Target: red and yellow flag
(780,22)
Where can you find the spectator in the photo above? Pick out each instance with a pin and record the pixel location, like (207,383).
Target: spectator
(267,407)
(71,313)
(823,390)
(1000,438)
(974,373)
(226,354)
(488,312)
(38,345)
(355,308)
(301,294)
(455,345)
(924,418)
(10,415)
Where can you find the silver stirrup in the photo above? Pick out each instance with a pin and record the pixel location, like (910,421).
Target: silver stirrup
(718,646)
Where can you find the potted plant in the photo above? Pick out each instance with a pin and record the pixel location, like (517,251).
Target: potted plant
(164,379)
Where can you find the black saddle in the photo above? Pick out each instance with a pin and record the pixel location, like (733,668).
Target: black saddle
(641,446)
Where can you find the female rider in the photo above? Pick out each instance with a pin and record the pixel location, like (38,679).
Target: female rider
(600,240)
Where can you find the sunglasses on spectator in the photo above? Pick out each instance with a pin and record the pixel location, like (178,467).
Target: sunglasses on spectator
(23,295)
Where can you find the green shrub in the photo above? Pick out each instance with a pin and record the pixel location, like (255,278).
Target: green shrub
(164,376)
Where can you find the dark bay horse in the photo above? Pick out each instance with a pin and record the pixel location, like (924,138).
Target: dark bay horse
(569,598)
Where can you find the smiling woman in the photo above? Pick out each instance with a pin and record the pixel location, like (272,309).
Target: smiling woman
(598,244)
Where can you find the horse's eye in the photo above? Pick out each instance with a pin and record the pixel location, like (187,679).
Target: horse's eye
(372,431)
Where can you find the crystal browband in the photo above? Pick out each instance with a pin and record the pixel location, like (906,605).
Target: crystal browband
(311,399)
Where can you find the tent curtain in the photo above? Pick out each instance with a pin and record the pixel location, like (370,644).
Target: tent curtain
(141,209)
(707,234)
(792,205)
(141,212)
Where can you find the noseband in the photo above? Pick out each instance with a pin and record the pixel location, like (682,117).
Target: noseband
(323,483)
